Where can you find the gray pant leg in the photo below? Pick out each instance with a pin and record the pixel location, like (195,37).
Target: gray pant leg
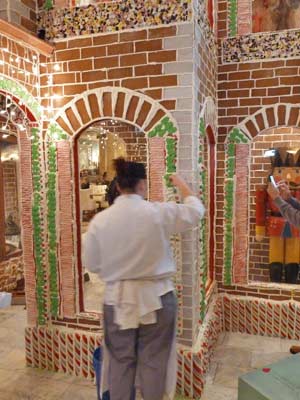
(154,346)
(121,345)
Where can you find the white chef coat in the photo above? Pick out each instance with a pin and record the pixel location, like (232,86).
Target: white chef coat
(128,246)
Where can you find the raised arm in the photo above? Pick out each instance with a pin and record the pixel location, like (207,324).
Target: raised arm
(286,195)
(181,217)
(291,214)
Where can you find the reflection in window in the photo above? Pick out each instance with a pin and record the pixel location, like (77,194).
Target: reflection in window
(274,244)
(275,15)
(97,147)
(10,234)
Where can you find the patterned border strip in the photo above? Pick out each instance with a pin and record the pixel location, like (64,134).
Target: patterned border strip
(37,218)
(53,349)
(71,351)
(166,128)
(232,17)
(205,27)
(235,136)
(112,17)
(203,224)
(55,133)
(262,46)
(21,93)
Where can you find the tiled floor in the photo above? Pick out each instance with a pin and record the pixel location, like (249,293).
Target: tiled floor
(235,355)
(20,383)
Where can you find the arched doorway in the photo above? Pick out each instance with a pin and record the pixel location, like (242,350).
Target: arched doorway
(237,182)
(118,104)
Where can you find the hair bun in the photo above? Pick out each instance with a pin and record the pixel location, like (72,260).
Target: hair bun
(120,165)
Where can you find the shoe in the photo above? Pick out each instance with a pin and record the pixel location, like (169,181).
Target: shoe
(276,272)
(291,273)
(295,349)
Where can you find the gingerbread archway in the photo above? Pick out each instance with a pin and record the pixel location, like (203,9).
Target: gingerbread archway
(237,156)
(118,103)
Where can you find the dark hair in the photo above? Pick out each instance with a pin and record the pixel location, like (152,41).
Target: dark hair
(112,192)
(129,173)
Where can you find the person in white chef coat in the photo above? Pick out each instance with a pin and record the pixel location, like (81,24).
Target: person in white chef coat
(128,246)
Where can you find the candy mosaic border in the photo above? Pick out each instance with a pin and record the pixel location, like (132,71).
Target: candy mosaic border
(204,25)
(261,46)
(203,224)
(112,17)
(166,128)
(38,225)
(234,137)
(232,17)
(71,351)
(55,133)
(21,93)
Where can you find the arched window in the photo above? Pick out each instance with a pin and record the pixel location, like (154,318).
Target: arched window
(95,148)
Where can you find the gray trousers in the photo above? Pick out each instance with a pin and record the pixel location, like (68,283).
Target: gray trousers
(147,347)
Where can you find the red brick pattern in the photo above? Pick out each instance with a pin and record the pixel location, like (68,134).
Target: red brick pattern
(156,168)
(240,249)
(27,228)
(131,60)
(244,19)
(66,247)
(24,14)
(262,317)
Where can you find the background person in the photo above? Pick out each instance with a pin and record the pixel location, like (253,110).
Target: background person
(290,210)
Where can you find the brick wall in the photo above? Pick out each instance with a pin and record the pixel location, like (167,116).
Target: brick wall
(243,88)
(157,62)
(153,61)
(21,13)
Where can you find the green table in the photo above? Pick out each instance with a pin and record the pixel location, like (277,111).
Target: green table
(279,381)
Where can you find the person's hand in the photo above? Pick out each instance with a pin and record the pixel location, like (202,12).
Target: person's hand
(273,191)
(284,190)
(182,186)
(177,181)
